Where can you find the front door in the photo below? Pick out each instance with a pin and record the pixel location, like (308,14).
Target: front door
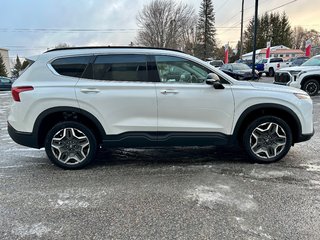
(186,104)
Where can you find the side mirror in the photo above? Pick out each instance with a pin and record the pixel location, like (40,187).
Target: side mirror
(214,80)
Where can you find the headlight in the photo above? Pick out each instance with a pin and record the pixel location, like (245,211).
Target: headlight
(294,72)
(302,95)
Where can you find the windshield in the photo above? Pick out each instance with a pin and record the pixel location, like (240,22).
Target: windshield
(240,66)
(315,61)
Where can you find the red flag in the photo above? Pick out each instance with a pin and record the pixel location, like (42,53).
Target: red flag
(226,53)
(268,49)
(308,48)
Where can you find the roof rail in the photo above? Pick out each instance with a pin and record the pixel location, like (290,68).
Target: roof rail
(98,47)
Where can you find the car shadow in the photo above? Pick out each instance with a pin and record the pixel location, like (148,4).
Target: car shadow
(170,156)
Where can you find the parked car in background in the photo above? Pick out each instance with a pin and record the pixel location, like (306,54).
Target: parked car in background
(297,61)
(5,83)
(245,61)
(239,71)
(216,63)
(271,65)
(305,77)
(259,66)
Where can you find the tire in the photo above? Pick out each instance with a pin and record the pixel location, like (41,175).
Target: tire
(311,86)
(70,145)
(267,139)
(271,72)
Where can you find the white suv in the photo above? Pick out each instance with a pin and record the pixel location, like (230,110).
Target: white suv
(71,101)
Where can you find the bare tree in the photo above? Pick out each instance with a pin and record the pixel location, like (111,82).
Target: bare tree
(299,37)
(163,24)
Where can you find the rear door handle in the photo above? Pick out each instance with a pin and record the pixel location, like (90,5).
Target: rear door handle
(169,91)
(90,90)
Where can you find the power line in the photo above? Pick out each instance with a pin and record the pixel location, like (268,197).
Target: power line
(281,6)
(221,6)
(248,19)
(70,30)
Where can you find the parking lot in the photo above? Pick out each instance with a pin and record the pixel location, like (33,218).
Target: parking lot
(176,193)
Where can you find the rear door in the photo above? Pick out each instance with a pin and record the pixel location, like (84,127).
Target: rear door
(116,89)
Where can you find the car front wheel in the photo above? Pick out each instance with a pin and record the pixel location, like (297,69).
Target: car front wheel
(70,145)
(311,87)
(267,139)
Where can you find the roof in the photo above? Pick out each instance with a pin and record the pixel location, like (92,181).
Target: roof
(274,48)
(109,47)
(283,51)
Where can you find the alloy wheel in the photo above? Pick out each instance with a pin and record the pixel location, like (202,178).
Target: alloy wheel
(268,140)
(70,146)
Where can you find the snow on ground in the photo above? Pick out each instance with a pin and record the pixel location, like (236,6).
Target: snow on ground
(37,229)
(220,194)
(311,167)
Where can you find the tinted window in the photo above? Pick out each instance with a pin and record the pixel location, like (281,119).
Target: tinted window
(120,68)
(276,60)
(71,66)
(174,69)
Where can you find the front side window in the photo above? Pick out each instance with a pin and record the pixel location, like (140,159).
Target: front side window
(71,66)
(120,68)
(175,69)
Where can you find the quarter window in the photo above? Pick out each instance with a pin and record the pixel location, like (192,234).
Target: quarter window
(174,69)
(71,66)
(120,68)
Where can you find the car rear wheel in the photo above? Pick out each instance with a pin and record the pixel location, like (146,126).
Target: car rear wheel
(267,139)
(271,72)
(311,87)
(70,145)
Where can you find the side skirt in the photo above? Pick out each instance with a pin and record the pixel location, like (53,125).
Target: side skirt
(154,139)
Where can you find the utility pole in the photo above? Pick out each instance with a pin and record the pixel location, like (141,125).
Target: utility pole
(241,34)
(255,38)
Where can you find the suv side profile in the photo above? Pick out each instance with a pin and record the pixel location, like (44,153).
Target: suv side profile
(70,101)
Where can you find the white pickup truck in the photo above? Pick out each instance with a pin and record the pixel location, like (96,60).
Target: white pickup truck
(271,65)
(305,77)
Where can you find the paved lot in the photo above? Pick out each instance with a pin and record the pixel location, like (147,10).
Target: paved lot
(180,193)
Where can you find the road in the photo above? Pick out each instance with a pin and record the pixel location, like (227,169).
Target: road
(177,193)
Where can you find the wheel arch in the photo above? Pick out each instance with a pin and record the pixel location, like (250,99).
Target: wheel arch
(270,109)
(48,118)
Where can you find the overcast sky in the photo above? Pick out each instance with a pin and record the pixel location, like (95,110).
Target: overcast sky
(29,27)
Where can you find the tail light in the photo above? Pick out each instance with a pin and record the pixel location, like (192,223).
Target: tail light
(278,65)
(15,91)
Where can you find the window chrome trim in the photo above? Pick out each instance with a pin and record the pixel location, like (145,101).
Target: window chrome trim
(51,68)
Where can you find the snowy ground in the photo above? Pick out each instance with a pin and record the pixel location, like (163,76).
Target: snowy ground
(180,193)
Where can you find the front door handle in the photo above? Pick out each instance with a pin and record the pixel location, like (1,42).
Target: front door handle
(90,90)
(169,91)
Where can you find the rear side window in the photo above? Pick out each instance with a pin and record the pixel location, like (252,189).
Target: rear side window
(120,68)
(71,66)
(276,60)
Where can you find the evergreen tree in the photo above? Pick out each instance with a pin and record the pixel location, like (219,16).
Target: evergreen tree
(3,71)
(248,37)
(17,67)
(272,27)
(206,32)
(24,64)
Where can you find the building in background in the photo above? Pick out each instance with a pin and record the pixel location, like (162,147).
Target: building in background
(275,51)
(5,56)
